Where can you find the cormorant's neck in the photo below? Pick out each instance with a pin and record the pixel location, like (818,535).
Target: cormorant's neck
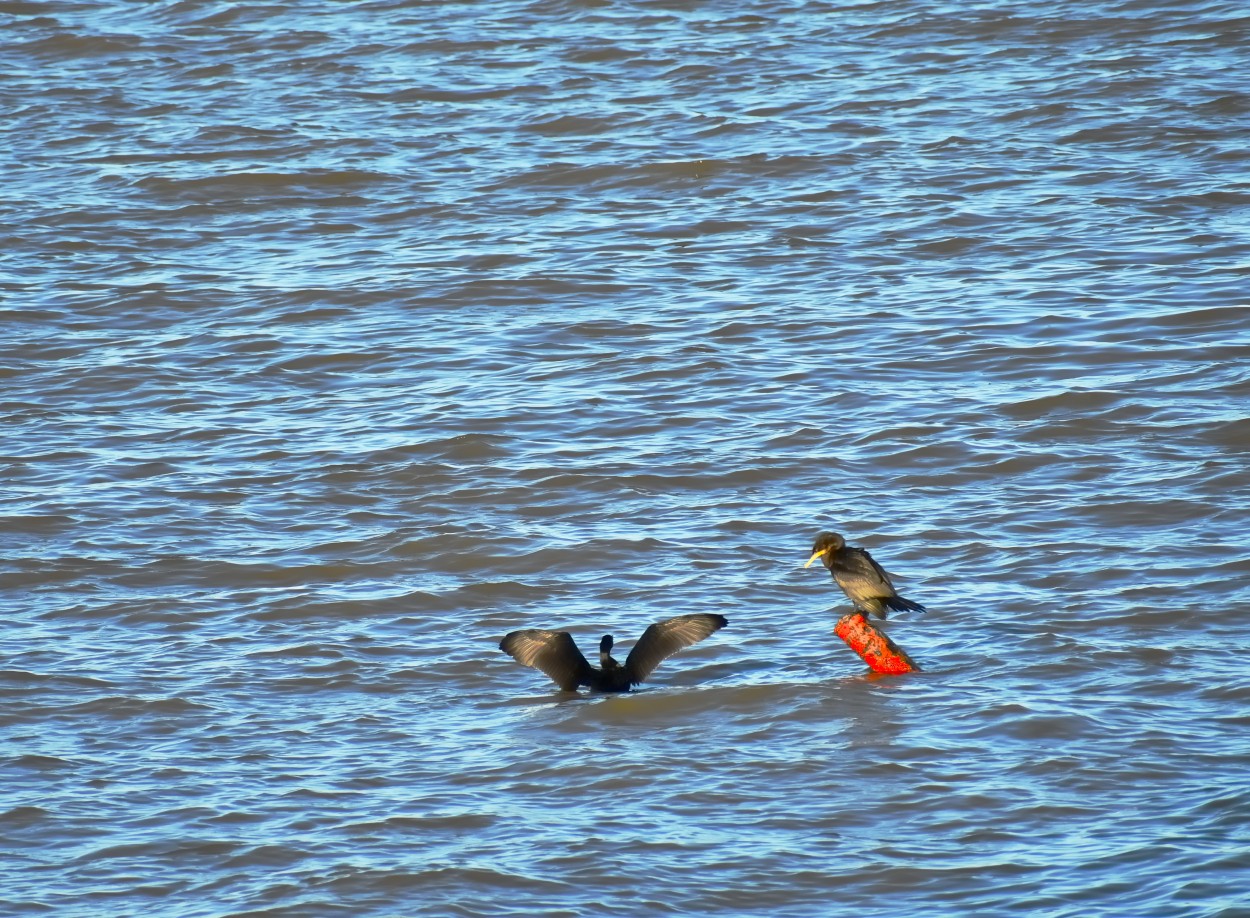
(605,653)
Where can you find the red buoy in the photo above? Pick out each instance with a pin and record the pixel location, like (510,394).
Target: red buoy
(875,647)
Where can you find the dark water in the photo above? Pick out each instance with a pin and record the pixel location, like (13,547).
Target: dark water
(340,339)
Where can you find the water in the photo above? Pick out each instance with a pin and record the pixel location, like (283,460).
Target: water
(341,339)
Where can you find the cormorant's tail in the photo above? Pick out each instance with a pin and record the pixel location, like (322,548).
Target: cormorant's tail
(899,604)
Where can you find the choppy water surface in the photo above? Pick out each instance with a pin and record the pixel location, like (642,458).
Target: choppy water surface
(341,339)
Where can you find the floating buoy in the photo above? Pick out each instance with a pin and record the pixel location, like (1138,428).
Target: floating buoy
(873,645)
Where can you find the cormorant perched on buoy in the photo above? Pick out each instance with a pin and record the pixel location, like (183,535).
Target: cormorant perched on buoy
(860,577)
(555,653)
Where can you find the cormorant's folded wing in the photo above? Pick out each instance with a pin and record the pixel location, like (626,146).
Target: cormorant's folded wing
(865,567)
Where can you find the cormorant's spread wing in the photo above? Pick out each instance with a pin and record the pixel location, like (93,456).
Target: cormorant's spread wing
(553,652)
(663,639)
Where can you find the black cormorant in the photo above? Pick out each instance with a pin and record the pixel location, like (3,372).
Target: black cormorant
(860,577)
(555,654)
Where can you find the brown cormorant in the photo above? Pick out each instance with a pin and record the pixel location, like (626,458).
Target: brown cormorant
(555,654)
(860,577)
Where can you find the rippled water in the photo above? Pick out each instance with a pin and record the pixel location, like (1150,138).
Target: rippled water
(341,339)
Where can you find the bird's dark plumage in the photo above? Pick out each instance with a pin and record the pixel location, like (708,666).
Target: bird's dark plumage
(555,653)
(861,578)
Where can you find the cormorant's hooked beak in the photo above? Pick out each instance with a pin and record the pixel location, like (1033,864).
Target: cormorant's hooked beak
(813,558)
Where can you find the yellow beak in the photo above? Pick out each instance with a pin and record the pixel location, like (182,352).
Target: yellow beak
(814,557)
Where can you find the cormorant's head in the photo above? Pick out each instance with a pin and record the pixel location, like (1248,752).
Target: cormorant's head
(605,645)
(825,543)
